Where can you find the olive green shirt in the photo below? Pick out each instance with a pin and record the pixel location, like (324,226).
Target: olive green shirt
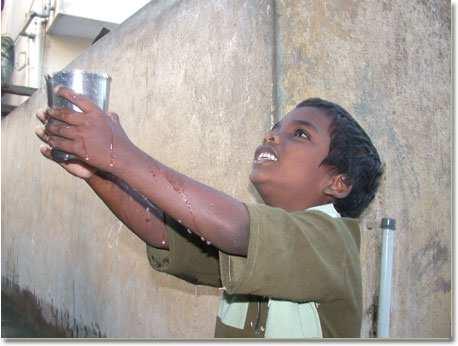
(301,277)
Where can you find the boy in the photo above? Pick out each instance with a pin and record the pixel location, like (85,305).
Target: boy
(290,268)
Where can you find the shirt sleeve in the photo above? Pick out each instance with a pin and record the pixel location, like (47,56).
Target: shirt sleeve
(298,256)
(188,258)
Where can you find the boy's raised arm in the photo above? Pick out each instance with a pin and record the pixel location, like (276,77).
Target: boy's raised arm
(145,220)
(99,139)
(211,214)
(138,214)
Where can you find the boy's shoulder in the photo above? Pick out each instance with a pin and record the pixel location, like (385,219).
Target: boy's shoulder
(323,219)
(345,225)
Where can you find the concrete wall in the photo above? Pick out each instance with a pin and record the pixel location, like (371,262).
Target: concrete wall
(196,84)
(193,86)
(387,62)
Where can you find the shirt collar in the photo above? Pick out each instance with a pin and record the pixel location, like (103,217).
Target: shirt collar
(328,209)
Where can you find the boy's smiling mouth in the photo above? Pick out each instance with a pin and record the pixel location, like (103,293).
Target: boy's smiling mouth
(265,153)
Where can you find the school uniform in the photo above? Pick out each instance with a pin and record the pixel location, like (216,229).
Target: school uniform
(301,277)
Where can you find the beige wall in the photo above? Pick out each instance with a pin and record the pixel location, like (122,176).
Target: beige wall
(191,86)
(388,63)
(196,85)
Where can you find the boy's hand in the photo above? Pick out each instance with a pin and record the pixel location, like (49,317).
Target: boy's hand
(95,137)
(78,169)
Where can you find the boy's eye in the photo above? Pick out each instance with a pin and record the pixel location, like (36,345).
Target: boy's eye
(302,133)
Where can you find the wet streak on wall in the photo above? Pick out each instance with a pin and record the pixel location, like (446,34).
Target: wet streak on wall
(196,84)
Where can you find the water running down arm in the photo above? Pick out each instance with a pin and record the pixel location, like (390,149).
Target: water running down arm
(136,212)
(100,140)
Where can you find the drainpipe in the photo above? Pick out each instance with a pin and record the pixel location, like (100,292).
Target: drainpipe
(386,271)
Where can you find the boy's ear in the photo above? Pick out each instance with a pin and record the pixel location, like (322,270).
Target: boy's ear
(339,186)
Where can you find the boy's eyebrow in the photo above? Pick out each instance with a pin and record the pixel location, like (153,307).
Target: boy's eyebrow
(308,124)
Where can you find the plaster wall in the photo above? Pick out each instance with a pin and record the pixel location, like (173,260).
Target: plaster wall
(388,63)
(196,84)
(192,84)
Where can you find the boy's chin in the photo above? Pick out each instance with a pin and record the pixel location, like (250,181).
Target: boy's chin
(258,181)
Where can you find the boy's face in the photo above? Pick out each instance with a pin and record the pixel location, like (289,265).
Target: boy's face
(286,168)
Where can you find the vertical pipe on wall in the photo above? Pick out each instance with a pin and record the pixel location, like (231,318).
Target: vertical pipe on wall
(386,270)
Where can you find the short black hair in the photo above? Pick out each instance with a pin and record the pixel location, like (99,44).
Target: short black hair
(351,153)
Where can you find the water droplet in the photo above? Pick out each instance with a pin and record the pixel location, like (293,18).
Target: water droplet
(202,238)
(163,242)
(111,148)
(87,158)
(188,230)
(178,187)
(208,242)
(179,221)
(147,209)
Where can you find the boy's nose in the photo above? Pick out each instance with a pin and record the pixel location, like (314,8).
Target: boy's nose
(270,137)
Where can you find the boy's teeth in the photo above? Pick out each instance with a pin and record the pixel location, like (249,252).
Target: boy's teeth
(267,156)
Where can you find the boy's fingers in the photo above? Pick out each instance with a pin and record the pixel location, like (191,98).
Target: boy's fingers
(40,132)
(63,144)
(45,150)
(42,116)
(60,129)
(65,115)
(82,101)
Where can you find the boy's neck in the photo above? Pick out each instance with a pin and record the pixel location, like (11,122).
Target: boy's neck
(292,205)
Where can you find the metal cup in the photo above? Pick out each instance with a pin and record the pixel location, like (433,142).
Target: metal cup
(96,86)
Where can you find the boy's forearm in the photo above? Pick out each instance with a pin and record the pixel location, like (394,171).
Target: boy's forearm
(211,214)
(141,217)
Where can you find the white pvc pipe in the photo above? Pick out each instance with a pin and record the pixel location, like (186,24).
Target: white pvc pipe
(386,270)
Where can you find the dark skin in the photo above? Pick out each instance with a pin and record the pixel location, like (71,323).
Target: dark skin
(288,175)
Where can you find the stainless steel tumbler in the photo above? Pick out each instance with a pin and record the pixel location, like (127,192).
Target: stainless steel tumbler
(96,86)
